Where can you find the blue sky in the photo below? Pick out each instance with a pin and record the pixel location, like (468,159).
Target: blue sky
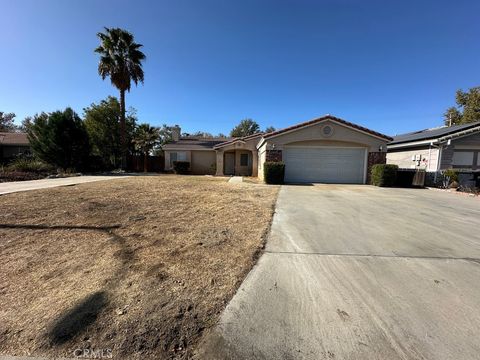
(393,66)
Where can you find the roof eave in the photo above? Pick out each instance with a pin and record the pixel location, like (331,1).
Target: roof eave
(432,141)
(227,143)
(334,119)
(435,140)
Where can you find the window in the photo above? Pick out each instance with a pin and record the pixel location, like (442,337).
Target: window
(243,159)
(177,156)
(463,158)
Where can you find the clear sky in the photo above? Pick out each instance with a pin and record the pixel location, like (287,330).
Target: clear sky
(393,66)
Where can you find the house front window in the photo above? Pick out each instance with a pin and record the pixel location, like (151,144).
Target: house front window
(177,156)
(463,159)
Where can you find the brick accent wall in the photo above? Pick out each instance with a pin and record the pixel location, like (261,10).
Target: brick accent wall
(274,155)
(373,159)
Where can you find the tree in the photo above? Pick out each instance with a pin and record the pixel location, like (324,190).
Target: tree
(452,116)
(270,129)
(146,139)
(102,122)
(7,122)
(60,139)
(467,110)
(26,124)
(165,133)
(202,134)
(245,128)
(121,60)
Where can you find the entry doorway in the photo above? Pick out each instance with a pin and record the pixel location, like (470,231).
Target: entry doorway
(229,163)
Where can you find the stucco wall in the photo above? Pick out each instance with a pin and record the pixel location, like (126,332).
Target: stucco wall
(313,136)
(243,170)
(262,153)
(238,148)
(404,158)
(203,162)
(342,136)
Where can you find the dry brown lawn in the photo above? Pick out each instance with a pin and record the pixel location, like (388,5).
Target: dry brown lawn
(140,266)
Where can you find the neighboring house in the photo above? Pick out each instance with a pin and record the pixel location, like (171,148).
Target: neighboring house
(326,149)
(13,144)
(437,149)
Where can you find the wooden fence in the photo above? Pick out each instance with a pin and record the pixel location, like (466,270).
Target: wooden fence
(154,163)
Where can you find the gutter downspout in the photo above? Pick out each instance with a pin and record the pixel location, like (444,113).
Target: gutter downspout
(430,158)
(439,161)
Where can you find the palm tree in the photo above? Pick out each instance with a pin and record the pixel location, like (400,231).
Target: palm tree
(146,138)
(121,60)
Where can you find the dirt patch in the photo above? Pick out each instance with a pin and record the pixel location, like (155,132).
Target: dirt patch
(138,266)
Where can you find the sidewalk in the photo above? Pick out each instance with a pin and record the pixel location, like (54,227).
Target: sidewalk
(16,186)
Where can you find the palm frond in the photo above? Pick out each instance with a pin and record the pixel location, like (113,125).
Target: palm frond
(120,58)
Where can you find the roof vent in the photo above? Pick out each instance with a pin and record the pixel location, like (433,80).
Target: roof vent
(327,131)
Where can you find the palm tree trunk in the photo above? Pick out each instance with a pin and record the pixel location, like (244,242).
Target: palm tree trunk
(145,162)
(123,130)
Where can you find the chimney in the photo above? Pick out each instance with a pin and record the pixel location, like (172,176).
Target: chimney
(176,132)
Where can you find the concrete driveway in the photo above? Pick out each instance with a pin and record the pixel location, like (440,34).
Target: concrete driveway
(358,272)
(16,186)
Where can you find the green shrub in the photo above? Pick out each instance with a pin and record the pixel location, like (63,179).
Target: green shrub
(451,175)
(59,138)
(384,174)
(29,165)
(181,167)
(274,172)
(8,176)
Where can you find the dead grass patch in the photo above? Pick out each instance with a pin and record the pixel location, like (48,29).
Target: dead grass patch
(141,265)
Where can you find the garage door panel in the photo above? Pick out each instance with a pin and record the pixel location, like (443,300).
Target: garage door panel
(330,165)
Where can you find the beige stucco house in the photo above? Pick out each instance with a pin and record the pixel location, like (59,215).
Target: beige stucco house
(325,149)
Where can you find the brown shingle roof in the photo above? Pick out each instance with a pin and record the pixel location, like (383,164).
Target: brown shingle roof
(13,138)
(243,138)
(195,143)
(323,118)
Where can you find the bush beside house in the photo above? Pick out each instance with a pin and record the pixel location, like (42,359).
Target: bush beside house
(384,174)
(181,167)
(25,168)
(274,172)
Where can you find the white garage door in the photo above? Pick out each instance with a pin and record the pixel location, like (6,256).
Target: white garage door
(325,165)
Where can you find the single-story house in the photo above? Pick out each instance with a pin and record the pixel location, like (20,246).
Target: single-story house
(437,149)
(13,144)
(325,149)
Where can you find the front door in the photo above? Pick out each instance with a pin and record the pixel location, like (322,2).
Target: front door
(229,164)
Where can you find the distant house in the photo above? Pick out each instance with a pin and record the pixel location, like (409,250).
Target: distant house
(325,149)
(13,144)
